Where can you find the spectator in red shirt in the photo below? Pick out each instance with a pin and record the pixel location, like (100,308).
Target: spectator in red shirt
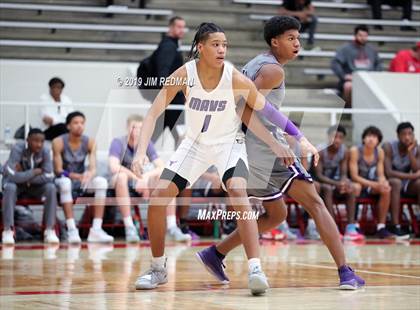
(407,60)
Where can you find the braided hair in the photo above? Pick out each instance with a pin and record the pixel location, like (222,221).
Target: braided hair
(203,32)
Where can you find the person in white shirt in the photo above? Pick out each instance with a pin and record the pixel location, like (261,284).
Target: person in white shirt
(57,107)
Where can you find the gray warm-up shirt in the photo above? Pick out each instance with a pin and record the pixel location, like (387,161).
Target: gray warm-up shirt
(21,155)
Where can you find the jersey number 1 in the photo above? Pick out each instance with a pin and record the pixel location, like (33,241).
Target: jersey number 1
(206,123)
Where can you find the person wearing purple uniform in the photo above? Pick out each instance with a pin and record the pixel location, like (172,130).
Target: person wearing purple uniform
(366,165)
(125,182)
(402,167)
(270,177)
(334,182)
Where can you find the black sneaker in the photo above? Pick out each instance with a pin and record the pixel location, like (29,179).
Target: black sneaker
(383,233)
(399,233)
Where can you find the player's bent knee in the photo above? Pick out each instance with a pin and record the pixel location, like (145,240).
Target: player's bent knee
(395,184)
(64,187)
(10,188)
(121,178)
(100,185)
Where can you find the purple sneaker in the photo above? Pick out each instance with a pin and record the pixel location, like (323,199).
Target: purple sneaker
(348,279)
(213,263)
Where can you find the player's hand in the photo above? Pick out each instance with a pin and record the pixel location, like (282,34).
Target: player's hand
(138,163)
(141,187)
(284,153)
(215,181)
(307,148)
(76,176)
(18,167)
(86,177)
(412,146)
(38,171)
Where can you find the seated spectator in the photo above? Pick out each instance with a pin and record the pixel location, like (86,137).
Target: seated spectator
(407,61)
(406,8)
(28,173)
(402,167)
(57,106)
(331,172)
(354,56)
(121,153)
(367,169)
(70,151)
(304,11)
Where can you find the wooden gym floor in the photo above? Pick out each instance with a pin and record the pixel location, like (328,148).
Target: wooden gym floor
(302,276)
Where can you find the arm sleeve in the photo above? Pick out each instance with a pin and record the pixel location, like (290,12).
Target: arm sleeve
(116,149)
(47,168)
(10,168)
(280,120)
(151,152)
(164,57)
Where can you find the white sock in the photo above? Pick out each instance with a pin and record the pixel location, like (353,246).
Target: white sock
(311,222)
(97,223)
(128,221)
(380,226)
(170,222)
(254,262)
(71,224)
(159,261)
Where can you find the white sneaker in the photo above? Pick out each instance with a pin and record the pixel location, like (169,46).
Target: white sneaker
(177,235)
(7,237)
(257,281)
(50,236)
(131,234)
(152,278)
(73,236)
(99,235)
(311,231)
(284,227)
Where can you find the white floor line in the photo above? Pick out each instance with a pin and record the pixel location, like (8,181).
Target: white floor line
(360,271)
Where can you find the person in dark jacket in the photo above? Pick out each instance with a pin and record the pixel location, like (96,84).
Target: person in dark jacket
(28,173)
(165,60)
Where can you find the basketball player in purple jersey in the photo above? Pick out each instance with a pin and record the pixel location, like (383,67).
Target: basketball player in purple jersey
(269,178)
(213,137)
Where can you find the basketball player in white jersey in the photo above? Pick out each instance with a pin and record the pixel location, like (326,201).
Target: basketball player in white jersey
(213,137)
(270,178)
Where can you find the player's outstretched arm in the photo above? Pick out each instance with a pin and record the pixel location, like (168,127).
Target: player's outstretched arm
(162,100)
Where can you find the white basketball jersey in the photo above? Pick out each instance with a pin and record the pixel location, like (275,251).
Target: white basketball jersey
(210,117)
